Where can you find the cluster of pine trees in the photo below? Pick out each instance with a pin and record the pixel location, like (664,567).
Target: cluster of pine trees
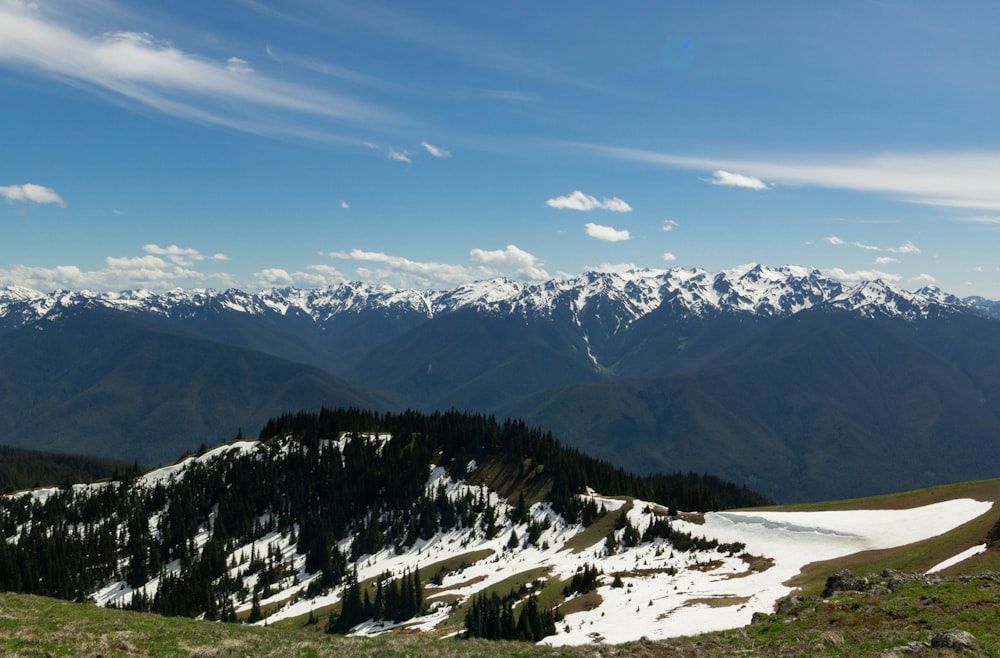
(396,600)
(333,486)
(493,618)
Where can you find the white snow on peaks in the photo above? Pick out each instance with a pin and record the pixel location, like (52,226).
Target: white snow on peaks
(618,298)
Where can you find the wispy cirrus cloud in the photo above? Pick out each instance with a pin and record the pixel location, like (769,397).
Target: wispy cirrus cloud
(577,200)
(729,179)
(436,151)
(399,156)
(141,68)
(906,248)
(32,193)
(669,225)
(957,179)
(607,233)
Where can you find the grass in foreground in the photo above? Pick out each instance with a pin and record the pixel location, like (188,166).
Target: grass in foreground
(849,624)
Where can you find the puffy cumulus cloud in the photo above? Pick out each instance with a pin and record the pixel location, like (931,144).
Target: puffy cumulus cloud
(178,255)
(159,268)
(436,151)
(905,248)
(886,260)
(219,256)
(513,257)
(272,277)
(669,257)
(925,279)
(407,273)
(670,225)
(31,192)
(399,156)
(607,233)
(729,179)
(577,200)
(860,276)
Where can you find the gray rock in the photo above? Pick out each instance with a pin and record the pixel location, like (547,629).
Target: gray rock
(955,638)
(844,581)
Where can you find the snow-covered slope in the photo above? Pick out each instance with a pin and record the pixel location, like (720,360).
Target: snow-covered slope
(628,296)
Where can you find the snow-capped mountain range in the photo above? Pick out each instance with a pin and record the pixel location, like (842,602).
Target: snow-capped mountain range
(652,369)
(751,289)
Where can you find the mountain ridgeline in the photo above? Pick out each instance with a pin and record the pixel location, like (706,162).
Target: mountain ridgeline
(295,516)
(798,385)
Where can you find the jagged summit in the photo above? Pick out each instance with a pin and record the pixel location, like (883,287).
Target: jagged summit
(629,295)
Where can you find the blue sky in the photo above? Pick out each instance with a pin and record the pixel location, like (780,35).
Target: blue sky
(254,144)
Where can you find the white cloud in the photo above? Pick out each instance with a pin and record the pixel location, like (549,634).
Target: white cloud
(318,276)
(729,179)
(399,156)
(404,272)
(607,233)
(905,248)
(577,200)
(861,275)
(437,152)
(959,179)
(160,268)
(886,260)
(990,220)
(834,240)
(219,256)
(147,70)
(669,257)
(513,257)
(925,279)
(670,225)
(179,255)
(31,192)
(237,65)
(273,277)
(344,205)
(618,268)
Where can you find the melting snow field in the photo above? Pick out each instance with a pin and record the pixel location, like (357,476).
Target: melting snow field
(668,606)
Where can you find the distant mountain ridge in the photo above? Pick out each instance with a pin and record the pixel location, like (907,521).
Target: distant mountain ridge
(752,289)
(726,372)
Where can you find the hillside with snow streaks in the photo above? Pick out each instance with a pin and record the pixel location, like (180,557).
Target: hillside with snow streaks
(751,289)
(664,590)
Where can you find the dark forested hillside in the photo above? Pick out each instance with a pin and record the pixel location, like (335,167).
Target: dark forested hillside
(21,468)
(819,406)
(331,486)
(100,383)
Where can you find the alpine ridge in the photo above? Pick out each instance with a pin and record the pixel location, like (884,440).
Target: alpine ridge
(751,289)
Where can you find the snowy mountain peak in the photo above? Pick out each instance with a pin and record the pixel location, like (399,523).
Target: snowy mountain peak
(627,295)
